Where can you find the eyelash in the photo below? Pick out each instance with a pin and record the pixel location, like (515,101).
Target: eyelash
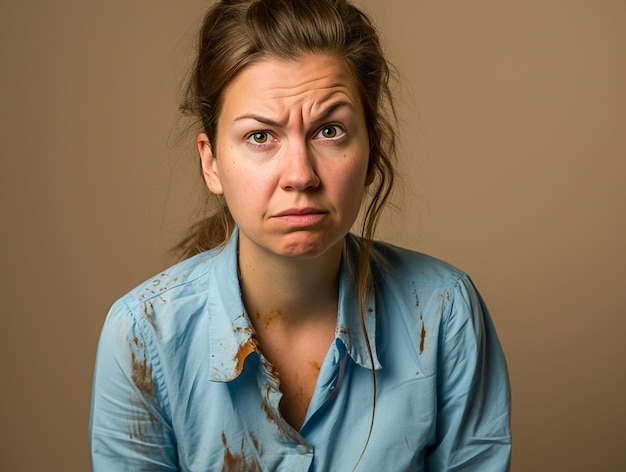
(341,133)
(339,130)
(251,138)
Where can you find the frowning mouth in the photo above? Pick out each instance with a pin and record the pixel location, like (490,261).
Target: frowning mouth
(301,217)
(300,212)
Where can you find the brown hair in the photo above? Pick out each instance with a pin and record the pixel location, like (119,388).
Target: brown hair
(237,33)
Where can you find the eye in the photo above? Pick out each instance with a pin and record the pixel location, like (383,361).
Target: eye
(260,137)
(331,132)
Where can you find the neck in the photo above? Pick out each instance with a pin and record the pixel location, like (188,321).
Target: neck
(285,293)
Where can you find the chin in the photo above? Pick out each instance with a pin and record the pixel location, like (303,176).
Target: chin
(309,247)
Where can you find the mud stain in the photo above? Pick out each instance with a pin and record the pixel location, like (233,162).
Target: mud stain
(417,299)
(134,429)
(245,349)
(142,375)
(148,313)
(343,330)
(231,462)
(271,415)
(422,336)
(237,462)
(136,425)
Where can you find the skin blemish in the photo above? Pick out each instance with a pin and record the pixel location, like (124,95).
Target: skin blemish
(422,336)
(142,375)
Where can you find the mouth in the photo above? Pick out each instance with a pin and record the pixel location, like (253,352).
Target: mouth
(299,212)
(301,217)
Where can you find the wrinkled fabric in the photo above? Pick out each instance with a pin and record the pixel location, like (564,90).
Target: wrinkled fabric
(180,384)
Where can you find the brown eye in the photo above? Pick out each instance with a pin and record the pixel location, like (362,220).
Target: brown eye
(259,138)
(329,132)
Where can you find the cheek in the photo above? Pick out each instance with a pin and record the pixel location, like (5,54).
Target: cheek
(245,189)
(350,182)
(356,173)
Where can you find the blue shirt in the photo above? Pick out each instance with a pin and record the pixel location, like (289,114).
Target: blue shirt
(180,385)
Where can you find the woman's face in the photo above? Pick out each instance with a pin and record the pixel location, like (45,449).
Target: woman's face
(291,155)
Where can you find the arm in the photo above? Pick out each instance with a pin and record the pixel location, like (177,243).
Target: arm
(473,431)
(129,429)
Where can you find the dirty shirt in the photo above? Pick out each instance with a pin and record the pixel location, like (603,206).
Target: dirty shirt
(180,384)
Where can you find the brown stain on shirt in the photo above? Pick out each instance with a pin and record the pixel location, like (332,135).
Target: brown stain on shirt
(244,350)
(231,461)
(141,374)
(273,416)
(343,330)
(422,336)
(417,299)
(148,313)
(237,462)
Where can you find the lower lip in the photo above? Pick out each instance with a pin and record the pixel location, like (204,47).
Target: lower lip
(307,219)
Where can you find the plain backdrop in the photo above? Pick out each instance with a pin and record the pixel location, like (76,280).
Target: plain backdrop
(513,160)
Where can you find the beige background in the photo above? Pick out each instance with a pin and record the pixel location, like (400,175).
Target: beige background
(514,144)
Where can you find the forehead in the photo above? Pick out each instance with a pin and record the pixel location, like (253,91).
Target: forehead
(311,78)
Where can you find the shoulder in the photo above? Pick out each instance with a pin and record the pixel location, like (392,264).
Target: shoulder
(188,274)
(171,296)
(389,261)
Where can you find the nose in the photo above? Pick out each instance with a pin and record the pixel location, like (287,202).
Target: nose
(299,171)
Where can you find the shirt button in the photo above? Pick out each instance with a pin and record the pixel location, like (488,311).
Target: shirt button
(303,449)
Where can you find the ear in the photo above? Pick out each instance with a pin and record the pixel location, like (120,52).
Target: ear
(209,165)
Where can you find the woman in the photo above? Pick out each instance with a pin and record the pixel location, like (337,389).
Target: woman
(283,342)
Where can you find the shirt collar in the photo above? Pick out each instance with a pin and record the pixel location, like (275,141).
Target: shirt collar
(231,335)
(349,328)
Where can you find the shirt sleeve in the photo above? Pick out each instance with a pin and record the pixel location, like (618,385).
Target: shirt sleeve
(129,429)
(473,417)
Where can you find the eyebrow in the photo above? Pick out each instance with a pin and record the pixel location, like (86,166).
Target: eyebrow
(322,116)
